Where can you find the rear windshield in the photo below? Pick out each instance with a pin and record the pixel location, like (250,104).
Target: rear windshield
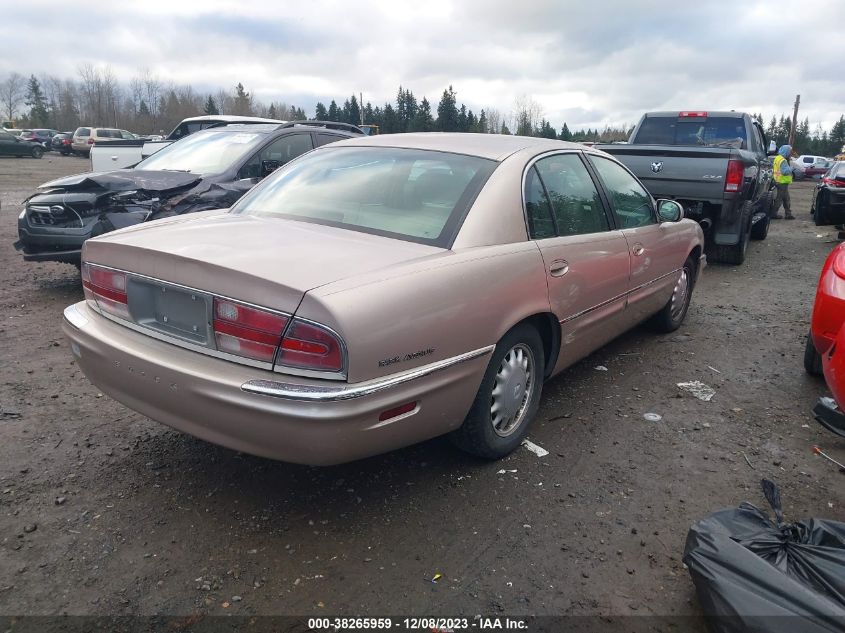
(413,195)
(83,131)
(837,171)
(706,131)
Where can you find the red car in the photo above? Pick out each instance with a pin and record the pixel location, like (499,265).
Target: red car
(825,349)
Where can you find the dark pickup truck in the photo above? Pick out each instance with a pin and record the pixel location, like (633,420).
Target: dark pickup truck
(714,163)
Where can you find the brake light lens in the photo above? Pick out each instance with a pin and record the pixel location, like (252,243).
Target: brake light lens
(839,263)
(106,288)
(310,346)
(833,182)
(733,177)
(90,141)
(692,113)
(246,331)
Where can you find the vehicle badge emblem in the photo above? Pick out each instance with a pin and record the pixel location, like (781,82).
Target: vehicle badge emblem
(656,167)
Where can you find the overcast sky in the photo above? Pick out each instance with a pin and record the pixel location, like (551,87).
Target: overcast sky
(589,63)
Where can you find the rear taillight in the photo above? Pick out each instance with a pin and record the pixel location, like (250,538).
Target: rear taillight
(839,263)
(733,177)
(106,288)
(246,331)
(833,182)
(307,345)
(90,141)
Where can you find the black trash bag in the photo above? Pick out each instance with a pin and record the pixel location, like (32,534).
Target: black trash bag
(753,574)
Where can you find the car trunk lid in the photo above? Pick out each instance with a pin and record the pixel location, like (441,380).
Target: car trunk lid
(269,262)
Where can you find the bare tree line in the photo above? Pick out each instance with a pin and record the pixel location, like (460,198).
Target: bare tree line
(147,104)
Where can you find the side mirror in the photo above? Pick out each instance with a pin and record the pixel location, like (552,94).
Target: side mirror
(269,166)
(670,211)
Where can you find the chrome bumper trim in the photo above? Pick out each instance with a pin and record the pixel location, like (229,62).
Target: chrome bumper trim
(319,393)
(75,317)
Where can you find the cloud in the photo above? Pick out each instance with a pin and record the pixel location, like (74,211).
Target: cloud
(587,63)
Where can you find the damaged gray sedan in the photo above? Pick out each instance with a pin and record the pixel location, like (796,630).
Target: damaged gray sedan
(208,170)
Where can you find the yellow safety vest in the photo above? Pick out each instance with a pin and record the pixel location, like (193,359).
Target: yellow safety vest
(780,178)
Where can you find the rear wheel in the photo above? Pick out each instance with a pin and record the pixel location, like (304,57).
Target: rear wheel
(37,152)
(508,397)
(760,229)
(819,216)
(673,313)
(812,359)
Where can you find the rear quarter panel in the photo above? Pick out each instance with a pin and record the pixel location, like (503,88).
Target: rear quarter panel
(423,312)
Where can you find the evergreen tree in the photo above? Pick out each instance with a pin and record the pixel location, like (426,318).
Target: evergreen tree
(565,134)
(391,121)
(354,111)
(334,112)
(837,136)
(546,130)
(271,111)
(243,101)
(210,106)
(463,125)
(320,113)
(423,121)
(368,114)
(481,124)
(472,122)
(447,112)
(505,129)
(35,99)
(144,111)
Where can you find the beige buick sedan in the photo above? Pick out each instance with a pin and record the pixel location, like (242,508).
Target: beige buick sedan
(380,291)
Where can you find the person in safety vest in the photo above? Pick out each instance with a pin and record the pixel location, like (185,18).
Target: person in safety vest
(783,178)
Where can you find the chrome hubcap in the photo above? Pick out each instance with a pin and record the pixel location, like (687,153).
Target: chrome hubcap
(679,295)
(513,388)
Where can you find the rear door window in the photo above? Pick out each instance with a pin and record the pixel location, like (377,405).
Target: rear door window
(538,209)
(282,150)
(575,200)
(325,139)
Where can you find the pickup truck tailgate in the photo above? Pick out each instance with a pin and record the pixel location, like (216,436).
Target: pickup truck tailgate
(696,173)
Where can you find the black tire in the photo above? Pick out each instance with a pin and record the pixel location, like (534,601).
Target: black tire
(673,313)
(819,216)
(735,254)
(760,229)
(37,152)
(812,359)
(477,434)
(767,202)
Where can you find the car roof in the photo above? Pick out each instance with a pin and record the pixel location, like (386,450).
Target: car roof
(230,118)
(492,146)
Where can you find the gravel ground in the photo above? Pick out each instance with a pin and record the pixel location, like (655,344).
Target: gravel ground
(103,511)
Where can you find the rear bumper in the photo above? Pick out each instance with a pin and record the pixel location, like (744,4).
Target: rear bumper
(830,416)
(316,422)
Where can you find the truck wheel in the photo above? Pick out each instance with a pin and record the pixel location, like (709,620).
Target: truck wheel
(508,397)
(812,359)
(819,216)
(672,314)
(760,229)
(767,202)
(735,254)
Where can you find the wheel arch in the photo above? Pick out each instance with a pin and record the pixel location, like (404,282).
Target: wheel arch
(548,327)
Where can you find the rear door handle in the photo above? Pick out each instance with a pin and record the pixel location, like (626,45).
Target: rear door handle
(559,268)
(638,249)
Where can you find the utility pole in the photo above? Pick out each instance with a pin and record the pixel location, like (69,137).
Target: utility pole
(361,106)
(794,121)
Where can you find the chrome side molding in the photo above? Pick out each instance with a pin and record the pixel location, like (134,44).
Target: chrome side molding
(328,393)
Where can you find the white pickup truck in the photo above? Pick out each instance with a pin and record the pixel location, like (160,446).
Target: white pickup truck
(117,154)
